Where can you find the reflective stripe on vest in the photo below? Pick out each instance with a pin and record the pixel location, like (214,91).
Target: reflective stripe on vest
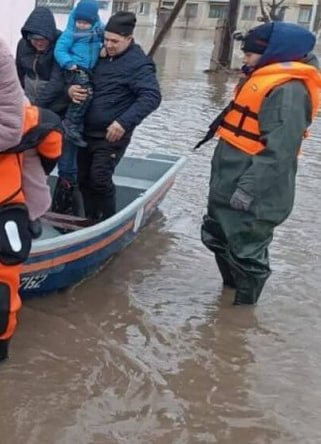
(240,126)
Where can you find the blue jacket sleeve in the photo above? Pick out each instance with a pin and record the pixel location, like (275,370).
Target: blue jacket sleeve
(62,49)
(144,85)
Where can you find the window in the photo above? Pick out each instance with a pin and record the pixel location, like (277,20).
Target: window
(103,4)
(217,11)
(144,8)
(249,13)
(191,10)
(119,6)
(57,5)
(304,18)
(168,5)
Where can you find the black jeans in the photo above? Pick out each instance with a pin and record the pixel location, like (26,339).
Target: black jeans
(96,166)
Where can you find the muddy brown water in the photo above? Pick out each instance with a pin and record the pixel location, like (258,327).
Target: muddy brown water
(150,351)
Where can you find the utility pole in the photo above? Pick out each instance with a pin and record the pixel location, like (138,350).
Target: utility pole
(226,45)
(167,25)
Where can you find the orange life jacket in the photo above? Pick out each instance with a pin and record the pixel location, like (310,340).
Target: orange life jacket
(240,126)
(46,138)
(42,130)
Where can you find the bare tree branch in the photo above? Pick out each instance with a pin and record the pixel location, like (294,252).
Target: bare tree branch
(274,12)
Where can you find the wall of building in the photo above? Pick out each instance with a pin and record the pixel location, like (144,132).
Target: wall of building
(299,12)
(16,13)
(147,13)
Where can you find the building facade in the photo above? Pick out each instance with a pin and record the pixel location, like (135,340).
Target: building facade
(305,13)
(196,14)
(204,14)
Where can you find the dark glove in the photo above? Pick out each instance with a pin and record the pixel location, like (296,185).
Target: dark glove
(48,164)
(240,200)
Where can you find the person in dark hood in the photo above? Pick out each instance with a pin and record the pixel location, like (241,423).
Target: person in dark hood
(40,76)
(254,165)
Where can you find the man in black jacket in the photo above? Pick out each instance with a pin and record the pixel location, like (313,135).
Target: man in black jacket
(126,91)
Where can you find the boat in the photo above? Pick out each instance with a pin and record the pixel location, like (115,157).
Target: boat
(62,258)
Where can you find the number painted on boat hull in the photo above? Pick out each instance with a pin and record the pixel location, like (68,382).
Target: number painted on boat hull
(33,281)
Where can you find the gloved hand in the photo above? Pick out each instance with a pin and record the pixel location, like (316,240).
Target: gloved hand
(240,200)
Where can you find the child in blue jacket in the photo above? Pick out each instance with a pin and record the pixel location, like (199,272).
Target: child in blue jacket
(77,51)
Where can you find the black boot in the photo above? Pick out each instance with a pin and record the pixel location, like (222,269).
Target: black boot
(87,203)
(104,207)
(4,347)
(249,291)
(77,202)
(62,200)
(225,271)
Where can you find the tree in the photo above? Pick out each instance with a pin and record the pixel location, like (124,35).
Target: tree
(272,12)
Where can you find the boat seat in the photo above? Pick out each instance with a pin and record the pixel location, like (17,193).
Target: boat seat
(65,223)
(133,182)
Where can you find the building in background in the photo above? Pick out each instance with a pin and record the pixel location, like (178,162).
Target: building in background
(305,13)
(16,12)
(204,14)
(196,14)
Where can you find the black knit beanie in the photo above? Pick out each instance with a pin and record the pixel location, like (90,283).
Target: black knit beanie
(122,23)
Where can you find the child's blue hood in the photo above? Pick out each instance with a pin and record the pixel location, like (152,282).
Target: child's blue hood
(98,25)
(288,42)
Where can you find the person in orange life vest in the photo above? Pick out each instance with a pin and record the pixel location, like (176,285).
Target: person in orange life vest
(254,165)
(11,126)
(20,199)
(39,162)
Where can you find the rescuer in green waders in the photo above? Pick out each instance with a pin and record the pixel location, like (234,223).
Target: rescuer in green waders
(254,165)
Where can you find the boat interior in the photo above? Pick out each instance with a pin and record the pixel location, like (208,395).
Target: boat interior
(133,177)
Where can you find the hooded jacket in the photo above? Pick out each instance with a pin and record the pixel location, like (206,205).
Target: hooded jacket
(29,61)
(39,74)
(268,178)
(81,48)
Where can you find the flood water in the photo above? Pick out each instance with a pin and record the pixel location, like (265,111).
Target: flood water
(150,351)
